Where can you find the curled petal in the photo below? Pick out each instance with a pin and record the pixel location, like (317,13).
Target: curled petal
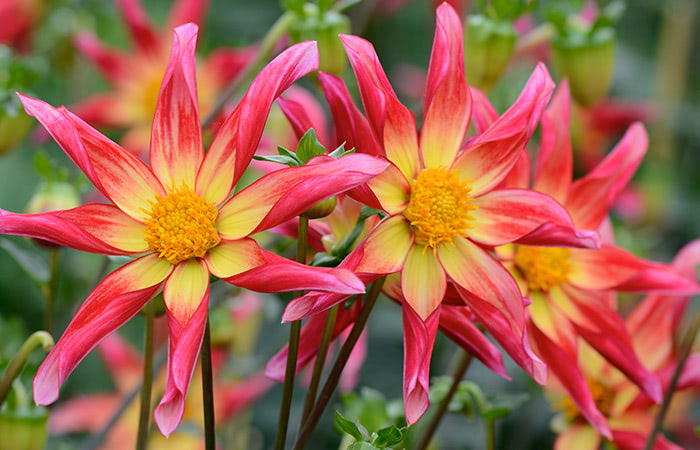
(447,100)
(114,301)
(176,136)
(238,137)
(94,228)
(491,156)
(184,345)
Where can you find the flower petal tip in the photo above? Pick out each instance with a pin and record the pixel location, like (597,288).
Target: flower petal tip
(168,415)
(46,383)
(416,404)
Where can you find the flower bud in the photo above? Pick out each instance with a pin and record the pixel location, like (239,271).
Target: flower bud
(23,428)
(52,196)
(13,128)
(324,28)
(587,59)
(321,209)
(488,45)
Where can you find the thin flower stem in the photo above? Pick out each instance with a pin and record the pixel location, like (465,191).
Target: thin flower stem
(208,390)
(682,358)
(320,362)
(341,360)
(37,338)
(51,290)
(293,348)
(278,29)
(490,426)
(457,374)
(147,384)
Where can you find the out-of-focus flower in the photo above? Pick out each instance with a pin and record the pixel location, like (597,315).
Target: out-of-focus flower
(178,218)
(653,326)
(135,75)
(443,206)
(572,290)
(17,21)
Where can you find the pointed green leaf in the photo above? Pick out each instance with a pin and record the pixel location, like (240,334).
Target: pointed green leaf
(354,429)
(387,436)
(309,147)
(280,159)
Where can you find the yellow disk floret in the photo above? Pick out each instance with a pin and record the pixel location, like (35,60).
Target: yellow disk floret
(543,267)
(603,397)
(439,207)
(181,226)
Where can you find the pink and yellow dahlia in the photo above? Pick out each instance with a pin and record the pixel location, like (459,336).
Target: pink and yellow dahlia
(179,219)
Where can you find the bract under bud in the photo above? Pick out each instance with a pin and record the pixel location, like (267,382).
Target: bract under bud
(321,209)
(587,59)
(324,28)
(488,45)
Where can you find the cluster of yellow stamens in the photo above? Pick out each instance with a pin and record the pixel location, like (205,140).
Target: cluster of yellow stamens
(439,207)
(603,397)
(181,226)
(543,267)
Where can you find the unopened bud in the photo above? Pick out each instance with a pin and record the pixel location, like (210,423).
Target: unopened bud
(52,196)
(23,428)
(488,46)
(324,28)
(588,61)
(321,209)
(13,128)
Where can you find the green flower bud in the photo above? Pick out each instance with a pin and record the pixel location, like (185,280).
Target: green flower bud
(321,209)
(53,196)
(324,28)
(587,59)
(13,128)
(488,45)
(23,431)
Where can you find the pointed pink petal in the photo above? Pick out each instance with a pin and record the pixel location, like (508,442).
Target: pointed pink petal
(238,137)
(176,136)
(507,215)
(304,112)
(393,124)
(483,113)
(114,301)
(566,370)
(423,281)
(615,268)
(630,440)
(123,362)
(120,175)
(519,175)
(351,126)
(185,342)
(309,340)
(554,167)
(111,63)
(233,400)
(94,228)
(418,340)
(185,289)
(447,100)
(184,11)
(223,65)
(141,31)
(493,154)
(455,323)
(591,197)
(281,195)
(87,413)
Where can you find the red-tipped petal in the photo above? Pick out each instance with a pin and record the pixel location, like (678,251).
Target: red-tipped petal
(567,372)
(121,176)
(591,197)
(111,63)
(281,195)
(447,100)
(114,301)
(185,342)
(507,215)
(493,154)
(393,124)
(418,340)
(141,31)
(554,166)
(238,137)
(176,136)
(94,228)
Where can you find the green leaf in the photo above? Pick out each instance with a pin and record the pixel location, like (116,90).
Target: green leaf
(340,151)
(309,147)
(387,436)
(361,446)
(33,264)
(280,159)
(325,260)
(354,429)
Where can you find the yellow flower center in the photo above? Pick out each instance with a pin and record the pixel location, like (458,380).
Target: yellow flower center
(603,397)
(439,207)
(181,226)
(543,267)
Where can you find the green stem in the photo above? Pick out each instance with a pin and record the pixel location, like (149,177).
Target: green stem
(490,434)
(278,29)
(293,347)
(208,390)
(320,362)
(341,360)
(682,358)
(51,290)
(464,359)
(37,338)
(145,412)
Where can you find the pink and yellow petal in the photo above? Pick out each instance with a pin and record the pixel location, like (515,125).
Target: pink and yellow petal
(579,437)
(386,248)
(423,281)
(233,257)
(447,99)
(176,136)
(115,300)
(185,289)
(391,189)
